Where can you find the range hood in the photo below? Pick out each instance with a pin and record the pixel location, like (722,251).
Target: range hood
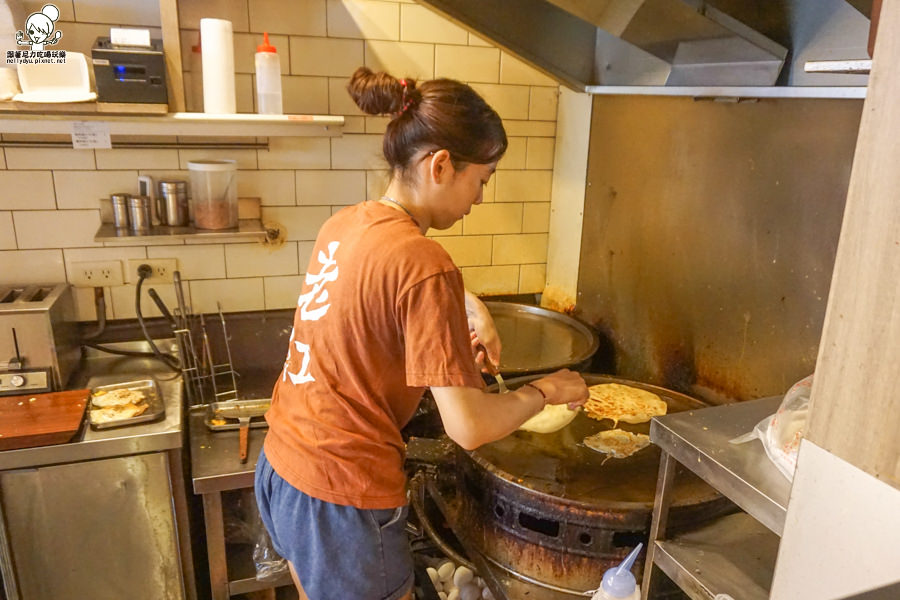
(589,45)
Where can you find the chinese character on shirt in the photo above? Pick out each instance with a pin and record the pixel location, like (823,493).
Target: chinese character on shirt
(313,305)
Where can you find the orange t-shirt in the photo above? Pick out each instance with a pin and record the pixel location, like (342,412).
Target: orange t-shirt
(381,316)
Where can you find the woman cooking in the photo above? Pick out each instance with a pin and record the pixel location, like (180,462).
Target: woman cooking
(382,316)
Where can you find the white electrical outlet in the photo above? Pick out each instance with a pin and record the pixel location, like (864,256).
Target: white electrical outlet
(162,268)
(96,273)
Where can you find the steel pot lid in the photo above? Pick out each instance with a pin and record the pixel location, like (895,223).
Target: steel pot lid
(536,339)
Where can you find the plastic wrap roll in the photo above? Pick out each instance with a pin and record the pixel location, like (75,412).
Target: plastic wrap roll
(218,66)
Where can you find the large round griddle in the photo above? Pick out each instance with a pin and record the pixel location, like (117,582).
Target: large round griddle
(538,340)
(545,507)
(560,466)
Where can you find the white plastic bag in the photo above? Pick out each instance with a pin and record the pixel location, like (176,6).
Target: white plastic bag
(781,433)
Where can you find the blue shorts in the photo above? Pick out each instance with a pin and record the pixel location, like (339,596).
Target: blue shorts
(339,552)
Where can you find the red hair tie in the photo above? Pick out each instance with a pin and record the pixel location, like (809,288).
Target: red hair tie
(403,100)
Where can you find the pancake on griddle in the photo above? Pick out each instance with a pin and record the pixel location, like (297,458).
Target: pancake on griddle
(617,443)
(623,403)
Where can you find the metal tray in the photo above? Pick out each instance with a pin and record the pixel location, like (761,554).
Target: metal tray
(156,408)
(233,424)
(538,340)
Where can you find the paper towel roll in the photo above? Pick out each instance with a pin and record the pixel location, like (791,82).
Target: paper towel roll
(218,66)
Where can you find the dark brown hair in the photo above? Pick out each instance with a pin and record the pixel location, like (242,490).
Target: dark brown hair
(438,114)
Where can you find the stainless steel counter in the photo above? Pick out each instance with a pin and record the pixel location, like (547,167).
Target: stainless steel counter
(700,440)
(215,461)
(98,368)
(125,479)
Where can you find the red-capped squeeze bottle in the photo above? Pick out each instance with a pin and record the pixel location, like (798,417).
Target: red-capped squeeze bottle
(268,79)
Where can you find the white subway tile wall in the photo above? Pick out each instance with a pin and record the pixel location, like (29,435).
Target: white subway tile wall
(50,204)
(7,232)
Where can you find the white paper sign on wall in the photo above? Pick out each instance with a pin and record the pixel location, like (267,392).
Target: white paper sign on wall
(90,134)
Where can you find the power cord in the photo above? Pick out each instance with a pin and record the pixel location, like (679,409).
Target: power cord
(144,271)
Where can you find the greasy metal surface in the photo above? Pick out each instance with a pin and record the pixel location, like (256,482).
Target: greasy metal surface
(710,231)
(536,339)
(547,507)
(89,444)
(700,440)
(107,530)
(559,467)
(215,461)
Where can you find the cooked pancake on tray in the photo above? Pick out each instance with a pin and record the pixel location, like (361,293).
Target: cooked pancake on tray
(116,413)
(623,403)
(119,397)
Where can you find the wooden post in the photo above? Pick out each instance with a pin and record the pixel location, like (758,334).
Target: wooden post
(168,16)
(855,411)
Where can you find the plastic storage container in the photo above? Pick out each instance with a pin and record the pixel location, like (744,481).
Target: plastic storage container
(214,193)
(268,79)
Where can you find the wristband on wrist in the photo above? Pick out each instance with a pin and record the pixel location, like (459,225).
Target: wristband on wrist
(540,391)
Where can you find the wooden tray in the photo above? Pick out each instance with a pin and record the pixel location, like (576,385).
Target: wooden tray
(41,419)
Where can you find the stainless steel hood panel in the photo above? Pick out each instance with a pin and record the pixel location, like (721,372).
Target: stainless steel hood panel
(624,42)
(664,44)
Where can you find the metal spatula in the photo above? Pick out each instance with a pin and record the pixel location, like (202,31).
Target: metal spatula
(495,371)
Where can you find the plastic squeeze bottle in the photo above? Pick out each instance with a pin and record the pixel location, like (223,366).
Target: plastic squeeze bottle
(618,582)
(268,79)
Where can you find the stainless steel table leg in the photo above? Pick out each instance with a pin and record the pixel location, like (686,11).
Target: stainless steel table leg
(660,517)
(182,522)
(215,545)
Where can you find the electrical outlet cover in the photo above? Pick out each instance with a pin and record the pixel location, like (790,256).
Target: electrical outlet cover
(163,269)
(99,273)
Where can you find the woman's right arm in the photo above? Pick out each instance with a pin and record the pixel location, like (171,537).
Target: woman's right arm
(473,417)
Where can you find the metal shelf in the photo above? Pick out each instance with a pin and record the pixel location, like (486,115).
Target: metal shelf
(736,554)
(252,229)
(855,67)
(242,572)
(700,440)
(179,124)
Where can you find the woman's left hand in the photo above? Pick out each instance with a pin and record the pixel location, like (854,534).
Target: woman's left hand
(483,332)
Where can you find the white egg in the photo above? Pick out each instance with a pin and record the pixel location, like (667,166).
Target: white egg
(453,595)
(469,591)
(445,570)
(462,576)
(432,574)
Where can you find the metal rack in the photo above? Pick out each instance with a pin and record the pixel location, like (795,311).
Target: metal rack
(202,375)
(734,555)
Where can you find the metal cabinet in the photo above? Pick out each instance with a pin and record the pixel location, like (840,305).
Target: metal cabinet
(102,529)
(734,555)
(104,516)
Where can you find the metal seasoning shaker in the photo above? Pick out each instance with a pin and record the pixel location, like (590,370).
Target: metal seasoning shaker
(120,210)
(139,211)
(172,203)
